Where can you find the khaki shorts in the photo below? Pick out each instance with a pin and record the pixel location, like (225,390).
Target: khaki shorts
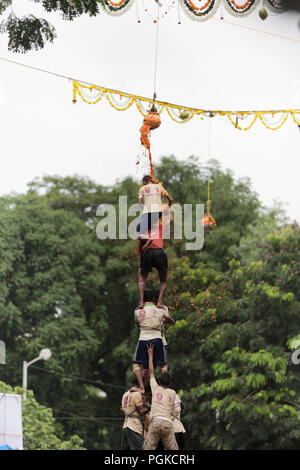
(160,429)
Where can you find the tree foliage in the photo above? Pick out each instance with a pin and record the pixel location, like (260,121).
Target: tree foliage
(235,303)
(28,32)
(40,430)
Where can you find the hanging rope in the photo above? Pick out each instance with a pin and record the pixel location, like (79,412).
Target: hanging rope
(208,220)
(152,120)
(209,163)
(156,54)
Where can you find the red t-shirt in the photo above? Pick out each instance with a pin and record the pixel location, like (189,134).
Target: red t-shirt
(156,235)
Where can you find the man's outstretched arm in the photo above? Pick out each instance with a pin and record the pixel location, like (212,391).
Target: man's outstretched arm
(150,357)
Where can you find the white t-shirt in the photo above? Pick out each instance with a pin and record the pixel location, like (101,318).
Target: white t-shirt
(150,320)
(162,401)
(151,195)
(176,409)
(132,419)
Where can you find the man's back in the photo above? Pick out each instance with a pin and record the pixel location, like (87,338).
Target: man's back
(151,194)
(150,319)
(130,401)
(162,401)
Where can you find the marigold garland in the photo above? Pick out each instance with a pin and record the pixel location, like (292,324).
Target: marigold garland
(235,7)
(199,10)
(121,101)
(116,7)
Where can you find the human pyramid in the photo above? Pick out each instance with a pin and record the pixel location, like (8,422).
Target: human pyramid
(151,408)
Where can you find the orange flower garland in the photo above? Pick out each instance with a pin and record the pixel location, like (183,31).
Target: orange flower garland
(151,121)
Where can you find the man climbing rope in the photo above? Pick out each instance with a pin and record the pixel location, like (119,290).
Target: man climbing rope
(163,397)
(150,320)
(152,255)
(133,408)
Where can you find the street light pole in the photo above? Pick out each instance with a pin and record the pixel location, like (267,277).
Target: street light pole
(45,354)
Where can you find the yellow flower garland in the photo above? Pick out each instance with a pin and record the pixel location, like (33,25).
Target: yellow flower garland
(180,114)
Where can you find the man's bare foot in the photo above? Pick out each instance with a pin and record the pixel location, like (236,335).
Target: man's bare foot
(159,305)
(141,305)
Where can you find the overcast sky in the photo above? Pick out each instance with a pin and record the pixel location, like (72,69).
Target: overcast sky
(209,65)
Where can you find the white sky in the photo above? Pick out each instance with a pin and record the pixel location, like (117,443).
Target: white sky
(209,65)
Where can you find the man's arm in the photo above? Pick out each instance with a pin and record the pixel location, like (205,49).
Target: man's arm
(147,244)
(136,312)
(170,199)
(141,196)
(165,194)
(168,319)
(142,410)
(150,356)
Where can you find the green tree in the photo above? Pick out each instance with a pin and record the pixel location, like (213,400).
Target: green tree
(40,430)
(239,384)
(29,32)
(61,287)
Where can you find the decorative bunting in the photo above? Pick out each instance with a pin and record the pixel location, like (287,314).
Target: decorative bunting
(242,120)
(116,7)
(199,10)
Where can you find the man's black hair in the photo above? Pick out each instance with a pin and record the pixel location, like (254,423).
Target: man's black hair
(149,296)
(147,179)
(164,380)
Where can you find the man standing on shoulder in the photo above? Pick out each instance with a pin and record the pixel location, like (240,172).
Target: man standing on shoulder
(150,319)
(133,408)
(163,397)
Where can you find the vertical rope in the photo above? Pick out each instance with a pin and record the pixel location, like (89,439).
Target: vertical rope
(156,53)
(209,162)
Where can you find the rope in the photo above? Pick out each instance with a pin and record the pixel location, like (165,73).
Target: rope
(166,104)
(257,30)
(209,163)
(156,54)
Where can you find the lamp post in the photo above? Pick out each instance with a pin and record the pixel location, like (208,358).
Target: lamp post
(45,354)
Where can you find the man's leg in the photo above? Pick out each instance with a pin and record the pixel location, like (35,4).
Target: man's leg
(134,439)
(179,436)
(152,437)
(136,368)
(168,436)
(124,441)
(142,284)
(163,286)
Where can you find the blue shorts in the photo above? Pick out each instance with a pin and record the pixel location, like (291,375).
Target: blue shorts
(147,221)
(159,353)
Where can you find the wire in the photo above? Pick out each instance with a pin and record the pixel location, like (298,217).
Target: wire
(261,136)
(165,103)
(249,27)
(79,378)
(87,418)
(256,30)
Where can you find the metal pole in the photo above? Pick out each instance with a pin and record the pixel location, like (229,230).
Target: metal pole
(25,367)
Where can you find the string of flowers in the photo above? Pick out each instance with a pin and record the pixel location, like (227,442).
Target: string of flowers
(122,101)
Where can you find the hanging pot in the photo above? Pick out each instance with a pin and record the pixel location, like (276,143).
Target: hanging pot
(209,222)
